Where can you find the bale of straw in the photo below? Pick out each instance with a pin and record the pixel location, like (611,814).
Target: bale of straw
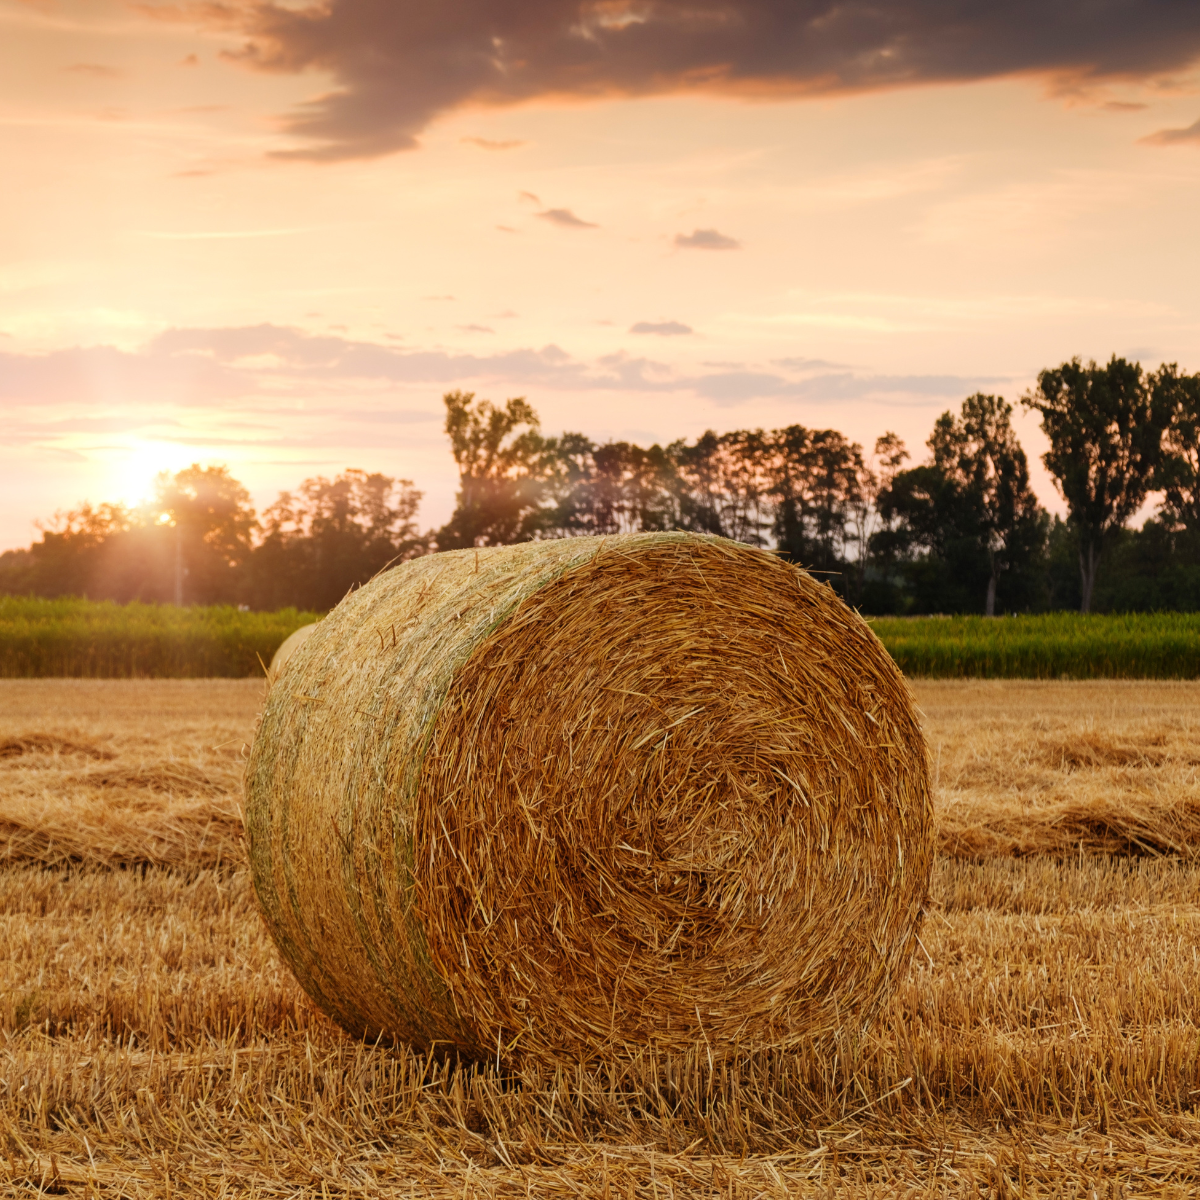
(570,799)
(287,648)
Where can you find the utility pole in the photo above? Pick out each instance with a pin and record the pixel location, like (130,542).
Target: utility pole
(178,567)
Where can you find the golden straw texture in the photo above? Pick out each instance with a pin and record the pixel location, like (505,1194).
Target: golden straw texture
(570,799)
(287,648)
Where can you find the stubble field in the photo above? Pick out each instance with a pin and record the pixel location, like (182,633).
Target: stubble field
(1046,1040)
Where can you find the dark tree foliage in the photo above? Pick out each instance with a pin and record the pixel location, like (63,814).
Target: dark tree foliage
(970,509)
(211,524)
(615,488)
(1176,399)
(960,532)
(505,468)
(1105,427)
(330,536)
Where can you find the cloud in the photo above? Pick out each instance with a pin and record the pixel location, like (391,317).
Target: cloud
(729,388)
(395,67)
(476,329)
(190,61)
(1174,137)
(706,239)
(662,328)
(96,70)
(275,368)
(566,218)
(488,144)
(529,198)
(809,364)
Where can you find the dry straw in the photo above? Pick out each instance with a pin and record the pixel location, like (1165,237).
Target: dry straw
(571,799)
(288,647)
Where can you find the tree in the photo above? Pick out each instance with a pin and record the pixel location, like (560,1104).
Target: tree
(1105,428)
(1177,398)
(978,453)
(819,483)
(212,523)
(332,535)
(505,468)
(189,544)
(724,484)
(615,488)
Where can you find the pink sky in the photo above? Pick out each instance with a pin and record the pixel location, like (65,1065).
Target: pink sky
(272,236)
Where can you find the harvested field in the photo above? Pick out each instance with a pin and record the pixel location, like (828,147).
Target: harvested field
(1045,1040)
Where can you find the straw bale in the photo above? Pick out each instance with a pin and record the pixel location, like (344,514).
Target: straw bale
(287,648)
(572,799)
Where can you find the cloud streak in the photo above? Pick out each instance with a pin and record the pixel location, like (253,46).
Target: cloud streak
(1175,137)
(662,328)
(264,367)
(565,218)
(706,239)
(397,66)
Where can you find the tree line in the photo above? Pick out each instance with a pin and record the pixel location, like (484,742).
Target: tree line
(959,531)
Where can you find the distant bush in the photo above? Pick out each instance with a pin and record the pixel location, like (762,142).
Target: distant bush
(103,640)
(1046,646)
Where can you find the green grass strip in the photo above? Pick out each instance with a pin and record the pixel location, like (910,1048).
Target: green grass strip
(1045,646)
(102,640)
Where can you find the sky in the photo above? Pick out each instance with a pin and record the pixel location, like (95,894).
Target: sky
(272,235)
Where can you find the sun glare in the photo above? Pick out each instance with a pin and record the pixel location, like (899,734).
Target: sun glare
(135,470)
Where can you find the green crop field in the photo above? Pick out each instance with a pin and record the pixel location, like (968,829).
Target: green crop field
(101,640)
(84,638)
(1046,646)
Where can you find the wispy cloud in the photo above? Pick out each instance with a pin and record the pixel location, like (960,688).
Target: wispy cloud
(662,328)
(95,70)
(488,144)
(1174,137)
(260,367)
(201,235)
(566,218)
(706,239)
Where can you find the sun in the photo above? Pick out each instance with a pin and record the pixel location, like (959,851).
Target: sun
(135,469)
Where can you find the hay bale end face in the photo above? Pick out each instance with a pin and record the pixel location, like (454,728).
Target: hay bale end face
(574,798)
(287,648)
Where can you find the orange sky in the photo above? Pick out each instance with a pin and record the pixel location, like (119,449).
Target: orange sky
(187,274)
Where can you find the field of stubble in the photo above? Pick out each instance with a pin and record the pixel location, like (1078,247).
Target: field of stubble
(1046,1040)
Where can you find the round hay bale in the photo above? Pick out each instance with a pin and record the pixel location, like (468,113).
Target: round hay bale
(575,798)
(287,648)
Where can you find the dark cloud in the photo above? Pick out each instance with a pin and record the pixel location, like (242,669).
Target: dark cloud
(706,239)
(1175,137)
(662,328)
(396,66)
(566,218)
